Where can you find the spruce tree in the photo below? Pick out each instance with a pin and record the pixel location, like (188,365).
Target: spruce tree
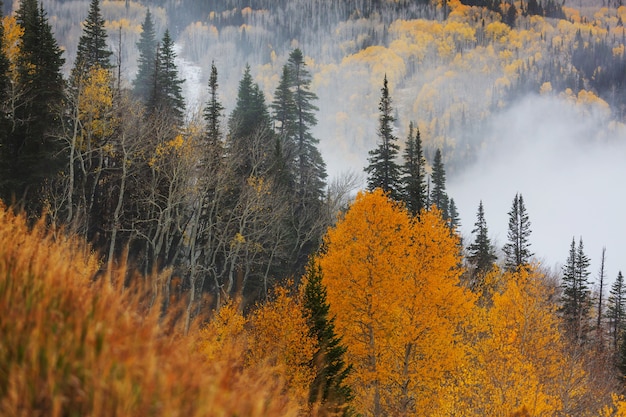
(167,96)
(249,122)
(481,254)
(284,108)
(329,386)
(147,46)
(31,156)
(438,195)
(383,172)
(250,114)
(414,172)
(576,297)
(616,308)
(517,249)
(213,111)
(454,219)
(310,168)
(92,45)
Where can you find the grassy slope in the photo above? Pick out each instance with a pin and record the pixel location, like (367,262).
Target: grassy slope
(73,346)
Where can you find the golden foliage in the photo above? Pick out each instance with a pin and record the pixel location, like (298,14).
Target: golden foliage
(520,360)
(95,106)
(392,284)
(11,46)
(279,336)
(75,345)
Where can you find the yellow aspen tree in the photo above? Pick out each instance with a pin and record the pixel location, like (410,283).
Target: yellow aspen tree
(522,356)
(392,284)
(278,337)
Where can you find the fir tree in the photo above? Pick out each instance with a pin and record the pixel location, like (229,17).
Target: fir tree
(414,172)
(454,220)
(92,45)
(249,122)
(214,110)
(329,386)
(250,114)
(517,249)
(31,156)
(284,108)
(616,309)
(438,195)
(310,168)
(576,298)
(167,97)
(147,46)
(383,172)
(481,252)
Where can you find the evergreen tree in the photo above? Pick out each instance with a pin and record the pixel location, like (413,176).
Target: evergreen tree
(147,46)
(517,249)
(616,309)
(438,195)
(576,298)
(92,45)
(383,172)
(167,97)
(213,110)
(284,115)
(414,173)
(511,15)
(250,114)
(31,155)
(248,125)
(284,108)
(329,386)
(481,252)
(310,168)
(454,221)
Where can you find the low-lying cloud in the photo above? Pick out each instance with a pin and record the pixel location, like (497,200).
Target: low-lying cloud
(568,162)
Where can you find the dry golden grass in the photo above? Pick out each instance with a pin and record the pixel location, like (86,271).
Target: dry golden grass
(74,346)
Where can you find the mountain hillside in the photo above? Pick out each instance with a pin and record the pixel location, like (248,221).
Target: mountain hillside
(450,68)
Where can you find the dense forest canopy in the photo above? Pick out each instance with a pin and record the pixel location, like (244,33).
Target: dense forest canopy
(286,189)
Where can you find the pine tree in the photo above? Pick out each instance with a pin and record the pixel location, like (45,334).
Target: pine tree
(250,114)
(167,97)
(31,155)
(383,172)
(147,46)
(310,168)
(248,128)
(329,386)
(438,195)
(213,110)
(481,252)
(414,172)
(284,108)
(454,219)
(576,298)
(616,309)
(92,45)
(517,249)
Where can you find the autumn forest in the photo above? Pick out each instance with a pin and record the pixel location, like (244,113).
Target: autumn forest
(177,236)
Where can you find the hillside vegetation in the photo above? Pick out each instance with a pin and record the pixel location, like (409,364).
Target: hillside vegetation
(181,258)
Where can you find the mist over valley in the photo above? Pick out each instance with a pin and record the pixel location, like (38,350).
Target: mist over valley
(491,96)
